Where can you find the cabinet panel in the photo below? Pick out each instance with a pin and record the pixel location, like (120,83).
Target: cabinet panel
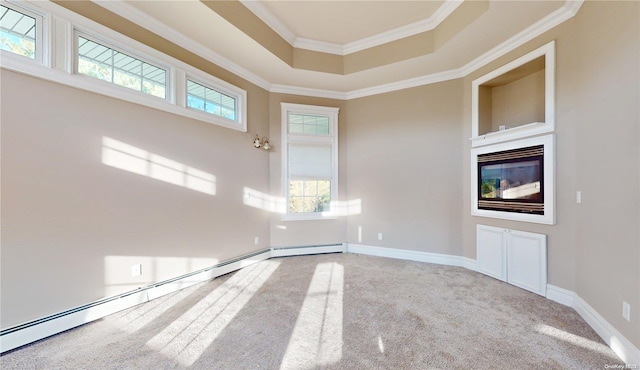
(527,261)
(491,252)
(517,257)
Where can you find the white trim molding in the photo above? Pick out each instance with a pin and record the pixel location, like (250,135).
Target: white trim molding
(560,295)
(405,254)
(564,13)
(548,52)
(629,353)
(20,335)
(428,24)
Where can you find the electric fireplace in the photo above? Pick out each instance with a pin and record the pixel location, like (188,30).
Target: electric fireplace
(512,180)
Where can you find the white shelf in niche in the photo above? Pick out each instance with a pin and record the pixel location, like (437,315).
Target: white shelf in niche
(513,95)
(512,133)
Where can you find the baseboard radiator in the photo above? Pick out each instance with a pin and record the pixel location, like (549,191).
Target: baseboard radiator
(29,332)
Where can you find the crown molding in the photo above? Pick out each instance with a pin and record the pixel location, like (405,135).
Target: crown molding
(257,8)
(562,14)
(567,11)
(121,8)
(305,91)
(451,74)
(405,31)
(265,15)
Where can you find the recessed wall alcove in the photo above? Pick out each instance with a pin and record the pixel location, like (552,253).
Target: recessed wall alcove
(516,100)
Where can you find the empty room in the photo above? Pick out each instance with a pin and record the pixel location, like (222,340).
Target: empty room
(320,184)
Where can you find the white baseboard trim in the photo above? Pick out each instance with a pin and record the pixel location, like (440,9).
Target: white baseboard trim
(469,264)
(404,254)
(301,251)
(20,335)
(629,353)
(561,295)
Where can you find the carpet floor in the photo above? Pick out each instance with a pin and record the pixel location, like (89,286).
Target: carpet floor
(336,311)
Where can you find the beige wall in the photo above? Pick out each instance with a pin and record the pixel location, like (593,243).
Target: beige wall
(72,226)
(404,159)
(594,249)
(519,102)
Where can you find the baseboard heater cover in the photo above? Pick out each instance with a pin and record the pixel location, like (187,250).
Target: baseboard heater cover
(22,334)
(29,332)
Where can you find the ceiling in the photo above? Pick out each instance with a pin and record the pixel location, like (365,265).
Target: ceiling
(346,48)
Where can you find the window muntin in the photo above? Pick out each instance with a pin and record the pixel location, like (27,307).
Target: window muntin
(308,124)
(203,98)
(107,64)
(309,196)
(18,32)
(310,160)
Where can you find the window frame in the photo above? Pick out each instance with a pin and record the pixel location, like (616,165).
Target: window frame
(219,86)
(77,33)
(309,139)
(56,61)
(41,35)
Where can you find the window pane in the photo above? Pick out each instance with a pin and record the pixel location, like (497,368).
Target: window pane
(309,125)
(106,64)
(308,196)
(211,101)
(17,32)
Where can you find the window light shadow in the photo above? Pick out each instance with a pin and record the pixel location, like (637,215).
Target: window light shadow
(119,277)
(133,159)
(316,340)
(575,340)
(186,338)
(344,208)
(260,200)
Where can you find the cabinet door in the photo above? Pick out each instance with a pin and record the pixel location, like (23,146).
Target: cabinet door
(491,252)
(527,261)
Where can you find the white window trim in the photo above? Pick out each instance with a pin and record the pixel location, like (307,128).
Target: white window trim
(169,87)
(59,60)
(42,38)
(332,113)
(220,86)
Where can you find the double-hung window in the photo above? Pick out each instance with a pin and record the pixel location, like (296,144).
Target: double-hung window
(21,32)
(310,159)
(98,60)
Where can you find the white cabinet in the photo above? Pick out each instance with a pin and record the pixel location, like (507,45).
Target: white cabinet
(517,257)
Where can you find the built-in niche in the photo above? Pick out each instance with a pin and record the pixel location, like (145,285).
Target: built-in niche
(516,100)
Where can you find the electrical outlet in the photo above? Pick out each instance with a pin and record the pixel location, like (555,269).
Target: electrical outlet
(626,310)
(256,240)
(578,197)
(379,236)
(136,270)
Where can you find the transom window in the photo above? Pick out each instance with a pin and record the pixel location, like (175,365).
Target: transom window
(211,101)
(18,32)
(310,164)
(107,64)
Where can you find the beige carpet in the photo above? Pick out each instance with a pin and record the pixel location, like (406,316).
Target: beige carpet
(341,311)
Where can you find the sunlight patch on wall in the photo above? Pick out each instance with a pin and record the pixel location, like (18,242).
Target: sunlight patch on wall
(133,159)
(575,340)
(118,277)
(344,208)
(186,338)
(260,200)
(316,340)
